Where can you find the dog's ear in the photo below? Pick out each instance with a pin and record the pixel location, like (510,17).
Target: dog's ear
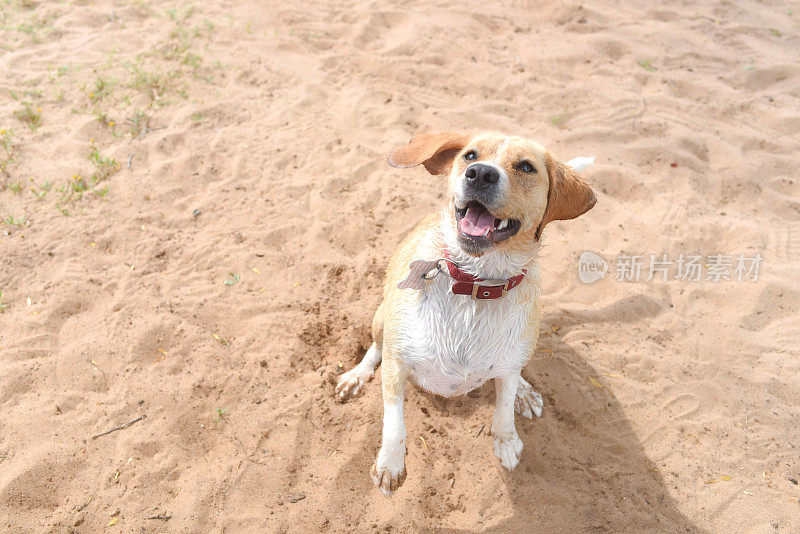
(568,197)
(435,151)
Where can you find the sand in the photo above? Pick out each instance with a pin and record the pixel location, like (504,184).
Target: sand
(248,143)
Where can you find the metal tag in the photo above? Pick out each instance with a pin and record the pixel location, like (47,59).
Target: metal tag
(420,272)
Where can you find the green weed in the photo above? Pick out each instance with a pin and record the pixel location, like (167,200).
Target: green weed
(103,118)
(13,221)
(556,119)
(64,211)
(40,191)
(154,83)
(6,150)
(104,167)
(101,88)
(645,64)
(220,413)
(138,123)
(64,69)
(30,116)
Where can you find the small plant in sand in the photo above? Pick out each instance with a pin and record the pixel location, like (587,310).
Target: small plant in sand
(64,211)
(64,69)
(556,120)
(74,188)
(103,86)
(6,150)
(30,115)
(15,187)
(645,64)
(143,9)
(181,42)
(179,16)
(103,118)
(139,122)
(14,23)
(40,191)
(153,83)
(104,166)
(3,305)
(220,413)
(14,221)
(31,27)
(157,81)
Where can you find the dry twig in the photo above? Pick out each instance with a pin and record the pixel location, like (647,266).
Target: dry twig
(120,427)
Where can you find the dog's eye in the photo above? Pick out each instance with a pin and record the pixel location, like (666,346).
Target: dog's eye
(471,155)
(525,166)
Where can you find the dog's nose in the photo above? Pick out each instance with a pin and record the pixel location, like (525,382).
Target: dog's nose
(480,174)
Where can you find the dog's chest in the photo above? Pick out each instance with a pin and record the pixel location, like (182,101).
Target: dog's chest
(453,344)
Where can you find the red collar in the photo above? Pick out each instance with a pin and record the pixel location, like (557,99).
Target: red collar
(481,288)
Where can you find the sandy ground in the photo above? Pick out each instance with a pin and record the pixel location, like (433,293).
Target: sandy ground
(186,146)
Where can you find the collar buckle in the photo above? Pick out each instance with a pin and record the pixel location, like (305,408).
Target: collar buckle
(489,289)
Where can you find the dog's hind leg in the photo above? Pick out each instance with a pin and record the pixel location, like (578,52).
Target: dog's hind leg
(350,384)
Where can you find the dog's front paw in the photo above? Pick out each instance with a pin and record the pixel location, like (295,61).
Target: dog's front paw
(508,449)
(527,403)
(351,383)
(388,471)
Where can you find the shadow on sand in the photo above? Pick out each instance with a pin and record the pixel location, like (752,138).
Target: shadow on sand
(583,468)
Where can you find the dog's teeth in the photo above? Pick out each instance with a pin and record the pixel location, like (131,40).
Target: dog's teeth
(502,224)
(486,232)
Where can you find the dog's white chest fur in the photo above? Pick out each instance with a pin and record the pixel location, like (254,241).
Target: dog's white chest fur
(453,343)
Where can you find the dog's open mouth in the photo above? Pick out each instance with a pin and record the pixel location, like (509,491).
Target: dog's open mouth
(477,225)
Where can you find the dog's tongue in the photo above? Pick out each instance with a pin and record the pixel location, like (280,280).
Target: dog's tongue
(477,221)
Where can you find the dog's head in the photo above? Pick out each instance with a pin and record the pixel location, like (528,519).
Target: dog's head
(502,190)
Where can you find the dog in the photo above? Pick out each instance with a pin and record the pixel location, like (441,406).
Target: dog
(461,296)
